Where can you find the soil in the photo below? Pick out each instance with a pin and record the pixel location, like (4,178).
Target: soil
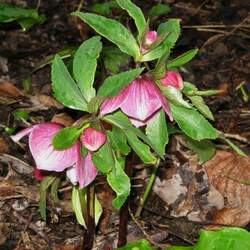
(220,29)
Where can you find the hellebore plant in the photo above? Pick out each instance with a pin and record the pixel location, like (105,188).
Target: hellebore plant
(123,103)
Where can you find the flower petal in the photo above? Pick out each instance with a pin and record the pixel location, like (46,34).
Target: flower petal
(86,170)
(150,38)
(43,152)
(173,79)
(72,175)
(142,100)
(92,139)
(21,134)
(112,104)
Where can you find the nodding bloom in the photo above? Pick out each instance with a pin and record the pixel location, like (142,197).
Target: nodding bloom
(142,99)
(149,39)
(173,79)
(49,159)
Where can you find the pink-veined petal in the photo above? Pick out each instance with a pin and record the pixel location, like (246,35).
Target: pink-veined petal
(86,170)
(43,152)
(92,139)
(113,103)
(142,101)
(21,134)
(173,79)
(72,175)
(137,123)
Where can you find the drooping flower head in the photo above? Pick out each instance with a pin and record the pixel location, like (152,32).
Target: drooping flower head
(140,100)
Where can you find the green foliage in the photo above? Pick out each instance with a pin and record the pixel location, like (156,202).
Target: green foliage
(193,124)
(138,245)
(25,17)
(65,89)
(104,8)
(224,239)
(136,13)
(197,101)
(66,138)
(114,84)
(84,66)
(157,132)
(113,31)
(19,114)
(158,10)
(172,29)
(182,59)
(114,59)
(205,149)
(120,183)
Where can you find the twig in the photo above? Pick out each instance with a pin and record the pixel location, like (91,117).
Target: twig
(148,189)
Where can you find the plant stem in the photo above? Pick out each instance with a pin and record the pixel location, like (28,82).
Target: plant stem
(148,189)
(88,237)
(124,213)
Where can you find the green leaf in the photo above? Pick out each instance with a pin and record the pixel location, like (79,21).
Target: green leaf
(225,239)
(113,31)
(137,245)
(114,59)
(233,146)
(173,29)
(66,138)
(135,12)
(25,17)
(174,95)
(121,121)
(114,84)
(65,89)
(157,132)
(79,205)
(197,101)
(205,149)
(104,158)
(118,140)
(19,114)
(192,123)
(141,149)
(120,183)
(182,59)
(104,8)
(158,10)
(44,185)
(54,190)
(84,66)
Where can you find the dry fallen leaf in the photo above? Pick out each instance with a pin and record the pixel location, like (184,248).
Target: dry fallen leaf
(9,90)
(226,171)
(4,147)
(63,118)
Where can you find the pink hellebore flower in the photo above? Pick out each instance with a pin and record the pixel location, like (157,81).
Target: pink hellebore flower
(140,100)
(92,140)
(149,39)
(173,79)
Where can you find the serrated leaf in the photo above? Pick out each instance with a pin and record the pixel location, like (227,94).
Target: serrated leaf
(65,89)
(198,101)
(205,149)
(157,131)
(173,29)
(114,84)
(141,149)
(174,95)
(118,140)
(114,59)
(104,158)
(66,138)
(158,10)
(113,31)
(120,183)
(84,66)
(182,59)
(135,12)
(192,123)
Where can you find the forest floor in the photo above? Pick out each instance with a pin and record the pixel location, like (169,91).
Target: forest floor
(221,31)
